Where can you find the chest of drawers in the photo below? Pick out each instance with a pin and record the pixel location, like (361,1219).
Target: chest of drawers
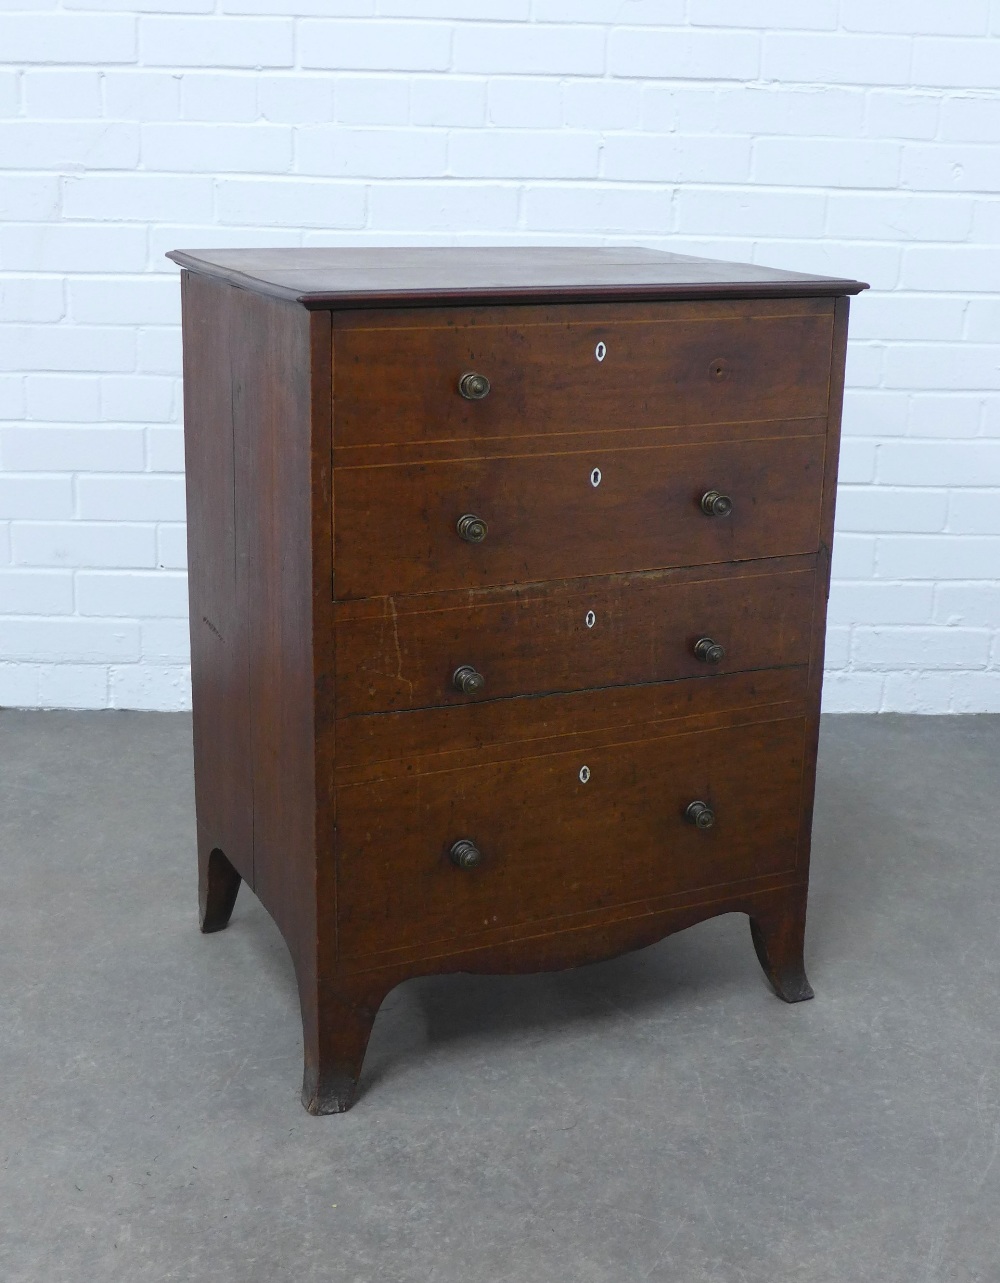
(508,575)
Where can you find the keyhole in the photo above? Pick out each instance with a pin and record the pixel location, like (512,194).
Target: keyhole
(591,619)
(584,774)
(595,478)
(600,351)
(718,369)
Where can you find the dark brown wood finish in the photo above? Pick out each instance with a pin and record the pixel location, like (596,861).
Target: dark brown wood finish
(582,441)
(335,767)
(820,603)
(357,277)
(396,524)
(388,743)
(258,443)
(561,833)
(649,366)
(398,653)
(216,469)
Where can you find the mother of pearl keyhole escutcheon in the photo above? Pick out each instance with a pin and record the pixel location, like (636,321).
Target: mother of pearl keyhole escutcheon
(584,774)
(590,619)
(601,351)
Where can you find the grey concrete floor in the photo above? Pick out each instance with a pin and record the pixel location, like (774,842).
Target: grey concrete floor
(658,1117)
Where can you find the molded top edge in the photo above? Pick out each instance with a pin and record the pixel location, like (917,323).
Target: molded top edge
(414,276)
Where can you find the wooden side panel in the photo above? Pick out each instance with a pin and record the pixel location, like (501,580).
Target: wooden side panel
(665,364)
(217,490)
(817,650)
(273,397)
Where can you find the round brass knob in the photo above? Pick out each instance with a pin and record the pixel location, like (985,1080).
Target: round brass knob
(471,528)
(467,680)
(464,854)
(716,504)
(474,387)
(709,651)
(700,814)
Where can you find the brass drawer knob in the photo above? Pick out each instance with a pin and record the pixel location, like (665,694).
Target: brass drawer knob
(474,387)
(467,680)
(716,504)
(700,814)
(709,651)
(464,854)
(471,528)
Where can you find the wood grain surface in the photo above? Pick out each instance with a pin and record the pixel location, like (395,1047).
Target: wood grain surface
(329,458)
(660,365)
(397,653)
(373,276)
(396,524)
(553,844)
(393,745)
(217,482)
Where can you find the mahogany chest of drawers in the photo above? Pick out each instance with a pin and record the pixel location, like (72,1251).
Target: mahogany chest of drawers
(508,576)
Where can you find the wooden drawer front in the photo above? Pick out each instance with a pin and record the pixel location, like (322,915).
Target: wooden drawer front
(574,635)
(396,524)
(553,845)
(680,363)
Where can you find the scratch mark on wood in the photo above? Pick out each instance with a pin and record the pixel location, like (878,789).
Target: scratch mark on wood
(399,653)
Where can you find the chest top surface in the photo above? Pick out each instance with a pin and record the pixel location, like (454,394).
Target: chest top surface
(362,276)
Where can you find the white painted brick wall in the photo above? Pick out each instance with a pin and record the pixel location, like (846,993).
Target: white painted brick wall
(838,136)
